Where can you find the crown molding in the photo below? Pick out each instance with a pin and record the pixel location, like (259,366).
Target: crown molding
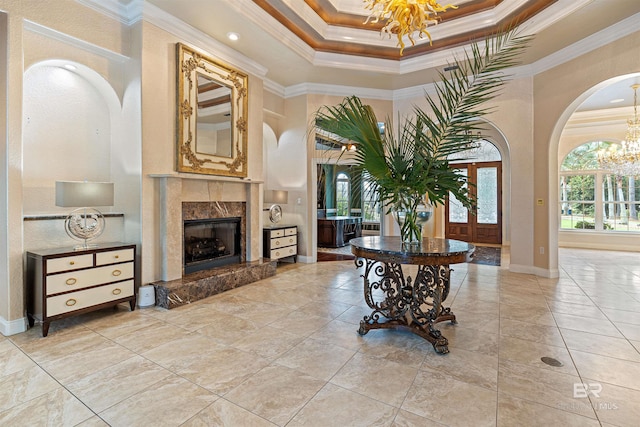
(337,90)
(72,41)
(126,14)
(595,41)
(167,22)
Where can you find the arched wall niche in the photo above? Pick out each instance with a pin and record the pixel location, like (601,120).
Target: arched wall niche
(72,120)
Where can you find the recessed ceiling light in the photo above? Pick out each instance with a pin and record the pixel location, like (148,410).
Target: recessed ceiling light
(233,36)
(70,67)
(615,101)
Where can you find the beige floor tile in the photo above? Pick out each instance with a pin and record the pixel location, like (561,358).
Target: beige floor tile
(327,309)
(114,323)
(549,335)
(591,311)
(181,352)
(228,328)
(615,405)
(530,353)
(409,419)
(470,339)
(224,413)
(268,342)
(341,334)
(63,343)
(152,335)
(56,408)
(12,359)
(276,393)
(586,324)
(300,323)
(600,344)
(623,316)
(607,369)
(337,406)
(377,378)
(629,331)
(82,363)
(94,421)
(439,397)
(398,346)
(523,413)
(221,370)
(543,386)
(169,402)
(315,358)
(468,366)
(534,314)
(479,322)
(123,380)
(21,386)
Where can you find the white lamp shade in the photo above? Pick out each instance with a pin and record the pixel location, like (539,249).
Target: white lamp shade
(81,194)
(276,196)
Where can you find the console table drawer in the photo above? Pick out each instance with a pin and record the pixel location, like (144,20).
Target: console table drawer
(111,257)
(89,297)
(284,241)
(74,280)
(284,252)
(276,233)
(74,262)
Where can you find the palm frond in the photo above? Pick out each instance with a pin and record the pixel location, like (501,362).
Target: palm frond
(415,160)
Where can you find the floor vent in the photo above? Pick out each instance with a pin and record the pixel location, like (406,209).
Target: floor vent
(551,361)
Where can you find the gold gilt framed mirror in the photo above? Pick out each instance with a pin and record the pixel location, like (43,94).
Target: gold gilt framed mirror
(212,115)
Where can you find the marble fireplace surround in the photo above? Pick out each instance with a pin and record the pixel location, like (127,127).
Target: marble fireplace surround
(186,196)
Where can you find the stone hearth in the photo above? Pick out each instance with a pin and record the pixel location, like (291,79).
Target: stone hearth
(203,284)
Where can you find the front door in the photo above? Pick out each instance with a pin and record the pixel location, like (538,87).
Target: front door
(484,224)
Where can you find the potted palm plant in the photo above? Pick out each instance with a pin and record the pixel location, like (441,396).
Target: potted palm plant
(410,163)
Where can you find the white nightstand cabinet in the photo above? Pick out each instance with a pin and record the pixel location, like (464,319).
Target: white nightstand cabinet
(66,282)
(280,242)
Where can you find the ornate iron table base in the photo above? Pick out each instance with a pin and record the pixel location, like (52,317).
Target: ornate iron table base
(414,305)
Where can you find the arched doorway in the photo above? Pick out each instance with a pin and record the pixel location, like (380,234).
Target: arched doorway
(483,168)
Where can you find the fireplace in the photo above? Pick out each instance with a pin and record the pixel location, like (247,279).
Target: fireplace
(210,243)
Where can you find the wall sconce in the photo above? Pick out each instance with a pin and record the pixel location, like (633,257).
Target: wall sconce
(276,198)
(85,223)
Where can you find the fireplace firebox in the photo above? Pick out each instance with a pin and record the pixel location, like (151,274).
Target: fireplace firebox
(210,243)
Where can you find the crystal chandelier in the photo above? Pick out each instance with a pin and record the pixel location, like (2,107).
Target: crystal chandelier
(625,160)
(405,17)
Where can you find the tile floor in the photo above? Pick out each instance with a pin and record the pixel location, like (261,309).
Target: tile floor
(284,351)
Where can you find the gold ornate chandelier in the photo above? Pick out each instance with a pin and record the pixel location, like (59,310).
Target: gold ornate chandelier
(405,17)
(625,160)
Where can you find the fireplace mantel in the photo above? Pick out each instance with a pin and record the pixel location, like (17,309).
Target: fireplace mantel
(176,188)
(247,181)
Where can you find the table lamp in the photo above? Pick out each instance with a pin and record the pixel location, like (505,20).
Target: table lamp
(85,223)
(276,197)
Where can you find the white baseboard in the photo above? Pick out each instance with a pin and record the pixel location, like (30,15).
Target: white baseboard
(12,327)
(305,259)
(536,271)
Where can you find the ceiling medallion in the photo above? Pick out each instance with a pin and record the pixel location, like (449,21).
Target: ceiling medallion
(405,17)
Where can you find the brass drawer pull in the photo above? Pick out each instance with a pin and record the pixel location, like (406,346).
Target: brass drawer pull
(290,240)
(116,272)
(71,302)
(72,262)
(71,281)
(116,291)
(117,256)
(277,253)
(277,242)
